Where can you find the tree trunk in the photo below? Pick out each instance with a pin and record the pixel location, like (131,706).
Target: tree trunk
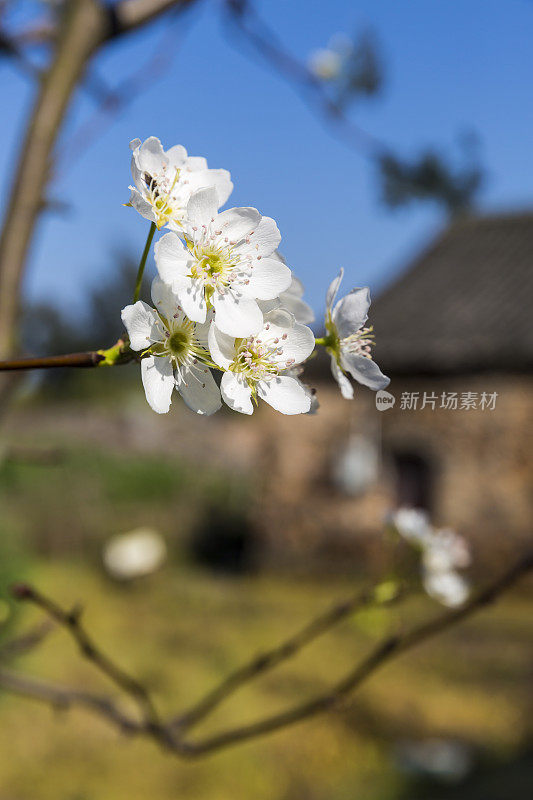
(82,30)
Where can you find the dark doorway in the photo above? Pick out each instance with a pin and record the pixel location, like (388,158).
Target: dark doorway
(224,541)
(414,480)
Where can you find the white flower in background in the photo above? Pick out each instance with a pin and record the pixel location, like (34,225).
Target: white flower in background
(443,553)
(135,554)
(228,262)
(348,342)
(445,550)
(165,180)
(259,366)
(448,588)
(291,299)
(177,352)
(325,64)
(413,524)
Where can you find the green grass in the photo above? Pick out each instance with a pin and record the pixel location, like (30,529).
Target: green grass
(74,504)
(182,630)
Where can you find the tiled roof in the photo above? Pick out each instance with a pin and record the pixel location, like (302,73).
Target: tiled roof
(465,304)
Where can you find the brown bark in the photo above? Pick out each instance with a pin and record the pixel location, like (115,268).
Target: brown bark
(81,32)
(84,28)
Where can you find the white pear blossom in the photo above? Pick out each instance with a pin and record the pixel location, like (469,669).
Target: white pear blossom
(413,524)
(325,64)
(443,553)
(176,352)
(134,554)
(348,342)
(259,366)
(165,180)
(448,588)
(228,262)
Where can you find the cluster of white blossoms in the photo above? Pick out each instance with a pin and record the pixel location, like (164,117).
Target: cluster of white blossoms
(443,553)
(225,300)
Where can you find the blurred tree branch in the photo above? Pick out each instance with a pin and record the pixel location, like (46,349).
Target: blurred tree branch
(172,736)
(428,176)
(83,28)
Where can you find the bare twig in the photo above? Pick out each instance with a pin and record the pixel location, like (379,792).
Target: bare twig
(112,101)
(117,355)
(272,658)
(91,359)
(173,739)
(25,642)
(71,621)
(247,22)
(385,651)
(64,699)
(85,27)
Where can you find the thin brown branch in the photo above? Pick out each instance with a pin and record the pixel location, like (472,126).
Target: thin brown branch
(91,359)
(112,101)
(247,22)
(269,660)
(84,28)
(166,734)
(384,652)
(64,699)
(71,622)
(25,642)
(131,14)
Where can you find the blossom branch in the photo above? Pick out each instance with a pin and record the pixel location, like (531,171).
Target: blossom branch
(172,738)
(119,354)
(64,699)
(91,359)
(26,642)
(267,661)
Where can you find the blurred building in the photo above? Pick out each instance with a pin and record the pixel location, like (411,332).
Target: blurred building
(454,333)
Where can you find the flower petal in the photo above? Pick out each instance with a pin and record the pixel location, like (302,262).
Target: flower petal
(177,157)
(285,394)
(237,223)
(264,240)
(299,308)
(219,179)
(364,370)
(158,382)
(195,163)
(237,315)
(351,312)
(140,321)
(150,156)
(199,390)
(269,277)
(172,258)
(333,289)
(192,298)
(141,205)
(236,392)
(203,206)
(221,347)
(165,300)
(344,384)
(294,344)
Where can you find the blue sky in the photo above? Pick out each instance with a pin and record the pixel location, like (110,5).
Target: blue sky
(451,67)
